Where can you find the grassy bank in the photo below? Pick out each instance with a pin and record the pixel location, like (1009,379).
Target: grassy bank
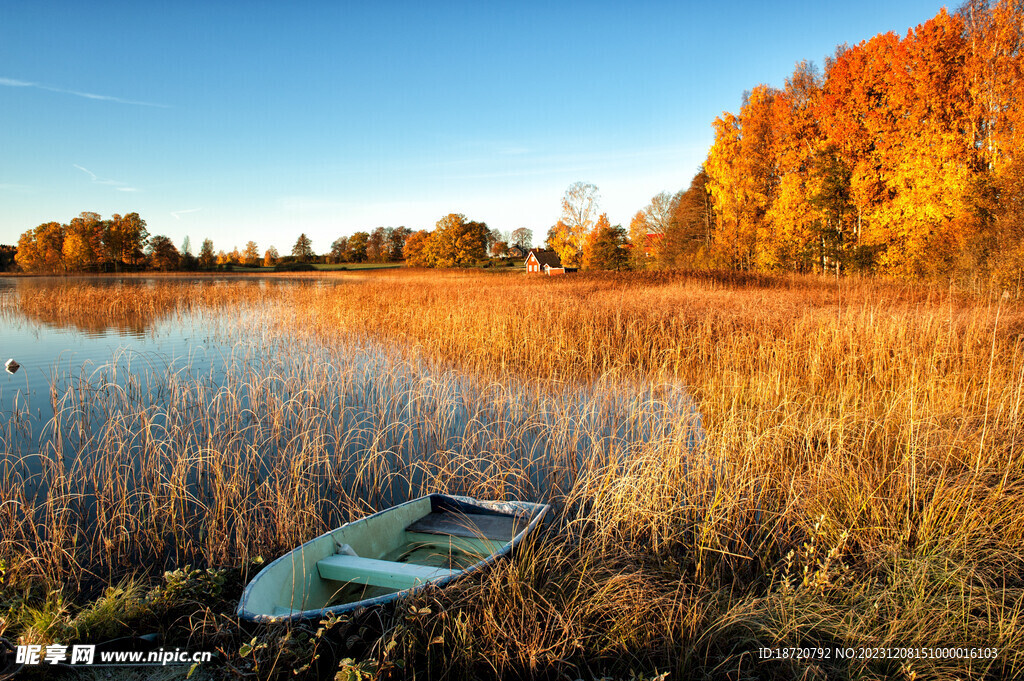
(859,484)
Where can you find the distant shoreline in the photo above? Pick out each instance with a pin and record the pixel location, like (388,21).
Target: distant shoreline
(197,275)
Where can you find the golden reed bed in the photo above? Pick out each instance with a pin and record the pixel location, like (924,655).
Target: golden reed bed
(859,485)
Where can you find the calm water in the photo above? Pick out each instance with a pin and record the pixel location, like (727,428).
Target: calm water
(203,380)
(57,352)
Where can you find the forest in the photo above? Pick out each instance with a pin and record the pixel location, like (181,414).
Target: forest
(88,243)
(905,157)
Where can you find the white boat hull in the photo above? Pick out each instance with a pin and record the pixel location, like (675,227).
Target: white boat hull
(431,540)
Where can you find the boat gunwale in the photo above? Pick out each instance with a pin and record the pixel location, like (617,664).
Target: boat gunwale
(437,500)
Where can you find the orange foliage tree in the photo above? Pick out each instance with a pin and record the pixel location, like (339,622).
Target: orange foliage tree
(605,248)
(742,177)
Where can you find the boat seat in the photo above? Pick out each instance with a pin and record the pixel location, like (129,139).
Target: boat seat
(373,572)
(476,525)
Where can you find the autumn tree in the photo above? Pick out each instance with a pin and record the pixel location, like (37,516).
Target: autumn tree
(416,254)
(396,237)
(207,259)
(742,177)
(852,111)
(126,238)
(83,242)
(339,250)
(994,72)
(605,248)
(78,252)
(456,242)
(357,247)
(1004,238)
(271,257)
(897,112)
(50,242)
(791,234)
(77,256)
(302,251)
(579,210)
(251,255)
(927,165)
(561,241)
(996,79)
(114,242)
(42,249)
(162,254)
(687,241)
(376,245)
(27,256)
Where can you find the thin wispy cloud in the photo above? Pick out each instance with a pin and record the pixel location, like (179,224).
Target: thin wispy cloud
(118,186)
(12,82)
(176,214)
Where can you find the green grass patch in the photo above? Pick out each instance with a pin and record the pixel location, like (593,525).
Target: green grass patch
(358,266)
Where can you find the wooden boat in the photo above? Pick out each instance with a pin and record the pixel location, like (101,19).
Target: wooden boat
(431,540)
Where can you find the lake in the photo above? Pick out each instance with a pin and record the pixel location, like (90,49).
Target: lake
(184,418)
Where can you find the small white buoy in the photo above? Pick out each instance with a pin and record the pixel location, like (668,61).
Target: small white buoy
(11,366)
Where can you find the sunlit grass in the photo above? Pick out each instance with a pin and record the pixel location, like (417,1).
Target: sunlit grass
(859,484)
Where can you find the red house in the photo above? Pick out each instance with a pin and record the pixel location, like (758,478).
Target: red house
(542,261)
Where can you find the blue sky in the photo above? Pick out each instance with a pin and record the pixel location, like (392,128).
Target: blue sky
(238,121)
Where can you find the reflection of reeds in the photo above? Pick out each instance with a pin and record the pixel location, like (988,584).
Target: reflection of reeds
(860,483)
(130,306)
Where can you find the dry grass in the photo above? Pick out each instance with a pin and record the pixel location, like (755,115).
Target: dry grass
(859,484)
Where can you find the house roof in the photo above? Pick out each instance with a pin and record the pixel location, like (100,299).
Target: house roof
(549,258)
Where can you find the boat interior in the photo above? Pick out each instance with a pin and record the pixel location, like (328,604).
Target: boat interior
(411,544)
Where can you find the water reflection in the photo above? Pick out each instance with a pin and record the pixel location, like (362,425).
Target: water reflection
(126,306)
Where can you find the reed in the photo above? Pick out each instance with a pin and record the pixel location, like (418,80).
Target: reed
(857,484)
